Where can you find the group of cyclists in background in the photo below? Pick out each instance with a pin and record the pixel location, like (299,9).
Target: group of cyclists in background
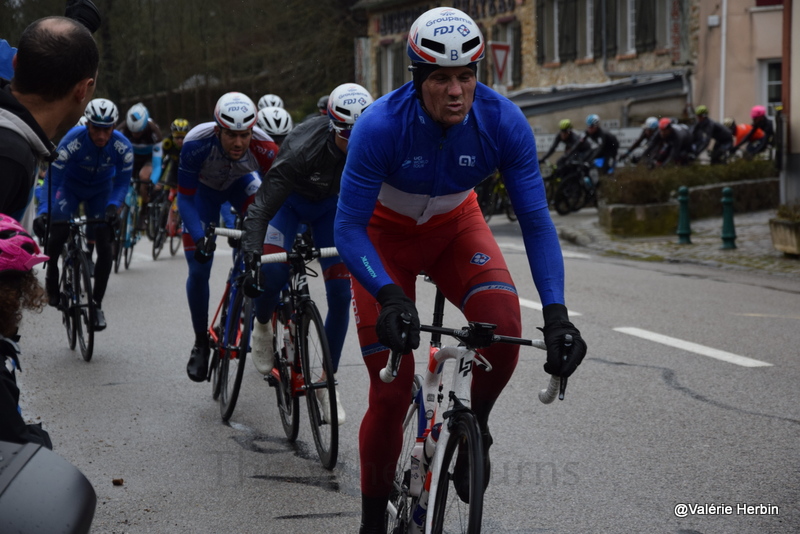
(572,181)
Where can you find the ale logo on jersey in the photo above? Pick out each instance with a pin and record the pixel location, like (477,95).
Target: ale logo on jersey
(480,258)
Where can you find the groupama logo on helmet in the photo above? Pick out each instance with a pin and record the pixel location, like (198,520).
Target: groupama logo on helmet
(235,111)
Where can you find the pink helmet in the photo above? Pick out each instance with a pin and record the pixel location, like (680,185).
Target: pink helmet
(757,112)
(18,251)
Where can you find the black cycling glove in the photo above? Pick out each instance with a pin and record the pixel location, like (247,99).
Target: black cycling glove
(398,316)
(40,225)
(562,358)
(254,279)
(205,250)
(112,217)
(85,12)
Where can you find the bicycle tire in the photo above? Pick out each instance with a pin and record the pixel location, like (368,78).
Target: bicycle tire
(213,367)
(281,378)
(216,364)
(84,311)
(161,231)
(399,511)
(121,237)
(509,208)
(491,204)
(175,240)
(569,196)
(315,355)
(152,220)
(450,513)
(233,359)
(66,286)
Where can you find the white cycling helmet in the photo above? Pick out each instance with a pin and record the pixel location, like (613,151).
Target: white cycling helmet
(101,112)
(137,118)
(345,104)
(270,101)
(651,123)
(82,121)
(275,121)
(235,111)
(446,37)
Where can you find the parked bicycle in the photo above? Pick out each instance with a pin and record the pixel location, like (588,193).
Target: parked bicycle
(229,333)
(422,498)
(303,365)
(75,287)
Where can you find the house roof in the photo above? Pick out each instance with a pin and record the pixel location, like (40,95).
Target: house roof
(540,100)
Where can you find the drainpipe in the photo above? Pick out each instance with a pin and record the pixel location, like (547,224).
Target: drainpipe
(723,54)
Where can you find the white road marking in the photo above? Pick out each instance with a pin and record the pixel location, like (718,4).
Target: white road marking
(564,253)
(532,304)
(693,347)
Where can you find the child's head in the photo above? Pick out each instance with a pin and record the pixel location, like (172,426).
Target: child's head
(19,287)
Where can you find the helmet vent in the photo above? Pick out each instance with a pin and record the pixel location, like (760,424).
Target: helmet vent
(469,45)
(436,46)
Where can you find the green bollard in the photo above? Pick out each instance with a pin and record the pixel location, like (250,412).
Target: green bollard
(728,230)
(684,231)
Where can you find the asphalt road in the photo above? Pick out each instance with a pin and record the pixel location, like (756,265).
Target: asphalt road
(646,426)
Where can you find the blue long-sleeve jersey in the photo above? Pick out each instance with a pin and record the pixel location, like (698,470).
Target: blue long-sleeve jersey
(399,156)
(82,166)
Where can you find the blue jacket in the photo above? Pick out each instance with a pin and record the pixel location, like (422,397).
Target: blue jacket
(82,166)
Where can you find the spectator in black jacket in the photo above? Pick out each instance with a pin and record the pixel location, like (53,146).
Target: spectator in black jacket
(705,130)
(54,78)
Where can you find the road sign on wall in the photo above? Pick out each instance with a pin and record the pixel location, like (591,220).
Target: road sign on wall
(500,53)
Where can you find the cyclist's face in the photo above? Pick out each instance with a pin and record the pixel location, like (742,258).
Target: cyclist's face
(178,141)
(448,94)
(99,136)
(234,142)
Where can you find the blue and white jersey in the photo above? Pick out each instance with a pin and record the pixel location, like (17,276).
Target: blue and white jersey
(83,168)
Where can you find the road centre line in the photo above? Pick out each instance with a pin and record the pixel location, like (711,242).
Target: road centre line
(693,347)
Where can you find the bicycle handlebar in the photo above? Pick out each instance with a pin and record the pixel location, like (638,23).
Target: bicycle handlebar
(280,257)
(228,232)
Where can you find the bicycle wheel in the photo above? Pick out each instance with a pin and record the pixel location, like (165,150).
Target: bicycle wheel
(175,232)
(84,305)
(281,376)
(233,355)
(570,195)
(450,513)
(318,376)
(508,207)
(161,230)
(122,235)
(153,216)
(401,505)
(65,289)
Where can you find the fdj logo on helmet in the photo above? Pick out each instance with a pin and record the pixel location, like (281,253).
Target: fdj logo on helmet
(442,30)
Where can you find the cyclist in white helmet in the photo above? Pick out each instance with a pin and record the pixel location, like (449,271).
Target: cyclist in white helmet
(302,187)
(276,122)
(220,161)
(93,167)
(649,131)
(145,137)
(413,160)
(270,101)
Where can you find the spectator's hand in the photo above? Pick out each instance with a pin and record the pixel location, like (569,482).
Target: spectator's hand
(204,250)
(398,315)
(562,359)
(254,279)
(85,12)
(40,225)
(112,217)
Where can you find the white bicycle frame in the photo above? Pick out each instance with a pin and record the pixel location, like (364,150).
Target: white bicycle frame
(465,358)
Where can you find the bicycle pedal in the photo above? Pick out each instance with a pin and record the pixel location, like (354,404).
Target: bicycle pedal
(271,380)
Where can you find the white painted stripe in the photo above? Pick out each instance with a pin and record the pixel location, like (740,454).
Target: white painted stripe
(564,253)
(693,347)
(532,304)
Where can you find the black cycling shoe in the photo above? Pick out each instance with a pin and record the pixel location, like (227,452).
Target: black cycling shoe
(461,469)
(99,319)
(197,368)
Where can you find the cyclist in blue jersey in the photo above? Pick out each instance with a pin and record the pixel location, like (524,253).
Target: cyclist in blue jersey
(220,161)
(407,205)
(302,187)
(94,166)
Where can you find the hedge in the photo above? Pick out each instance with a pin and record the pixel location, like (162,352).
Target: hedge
(638,185)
